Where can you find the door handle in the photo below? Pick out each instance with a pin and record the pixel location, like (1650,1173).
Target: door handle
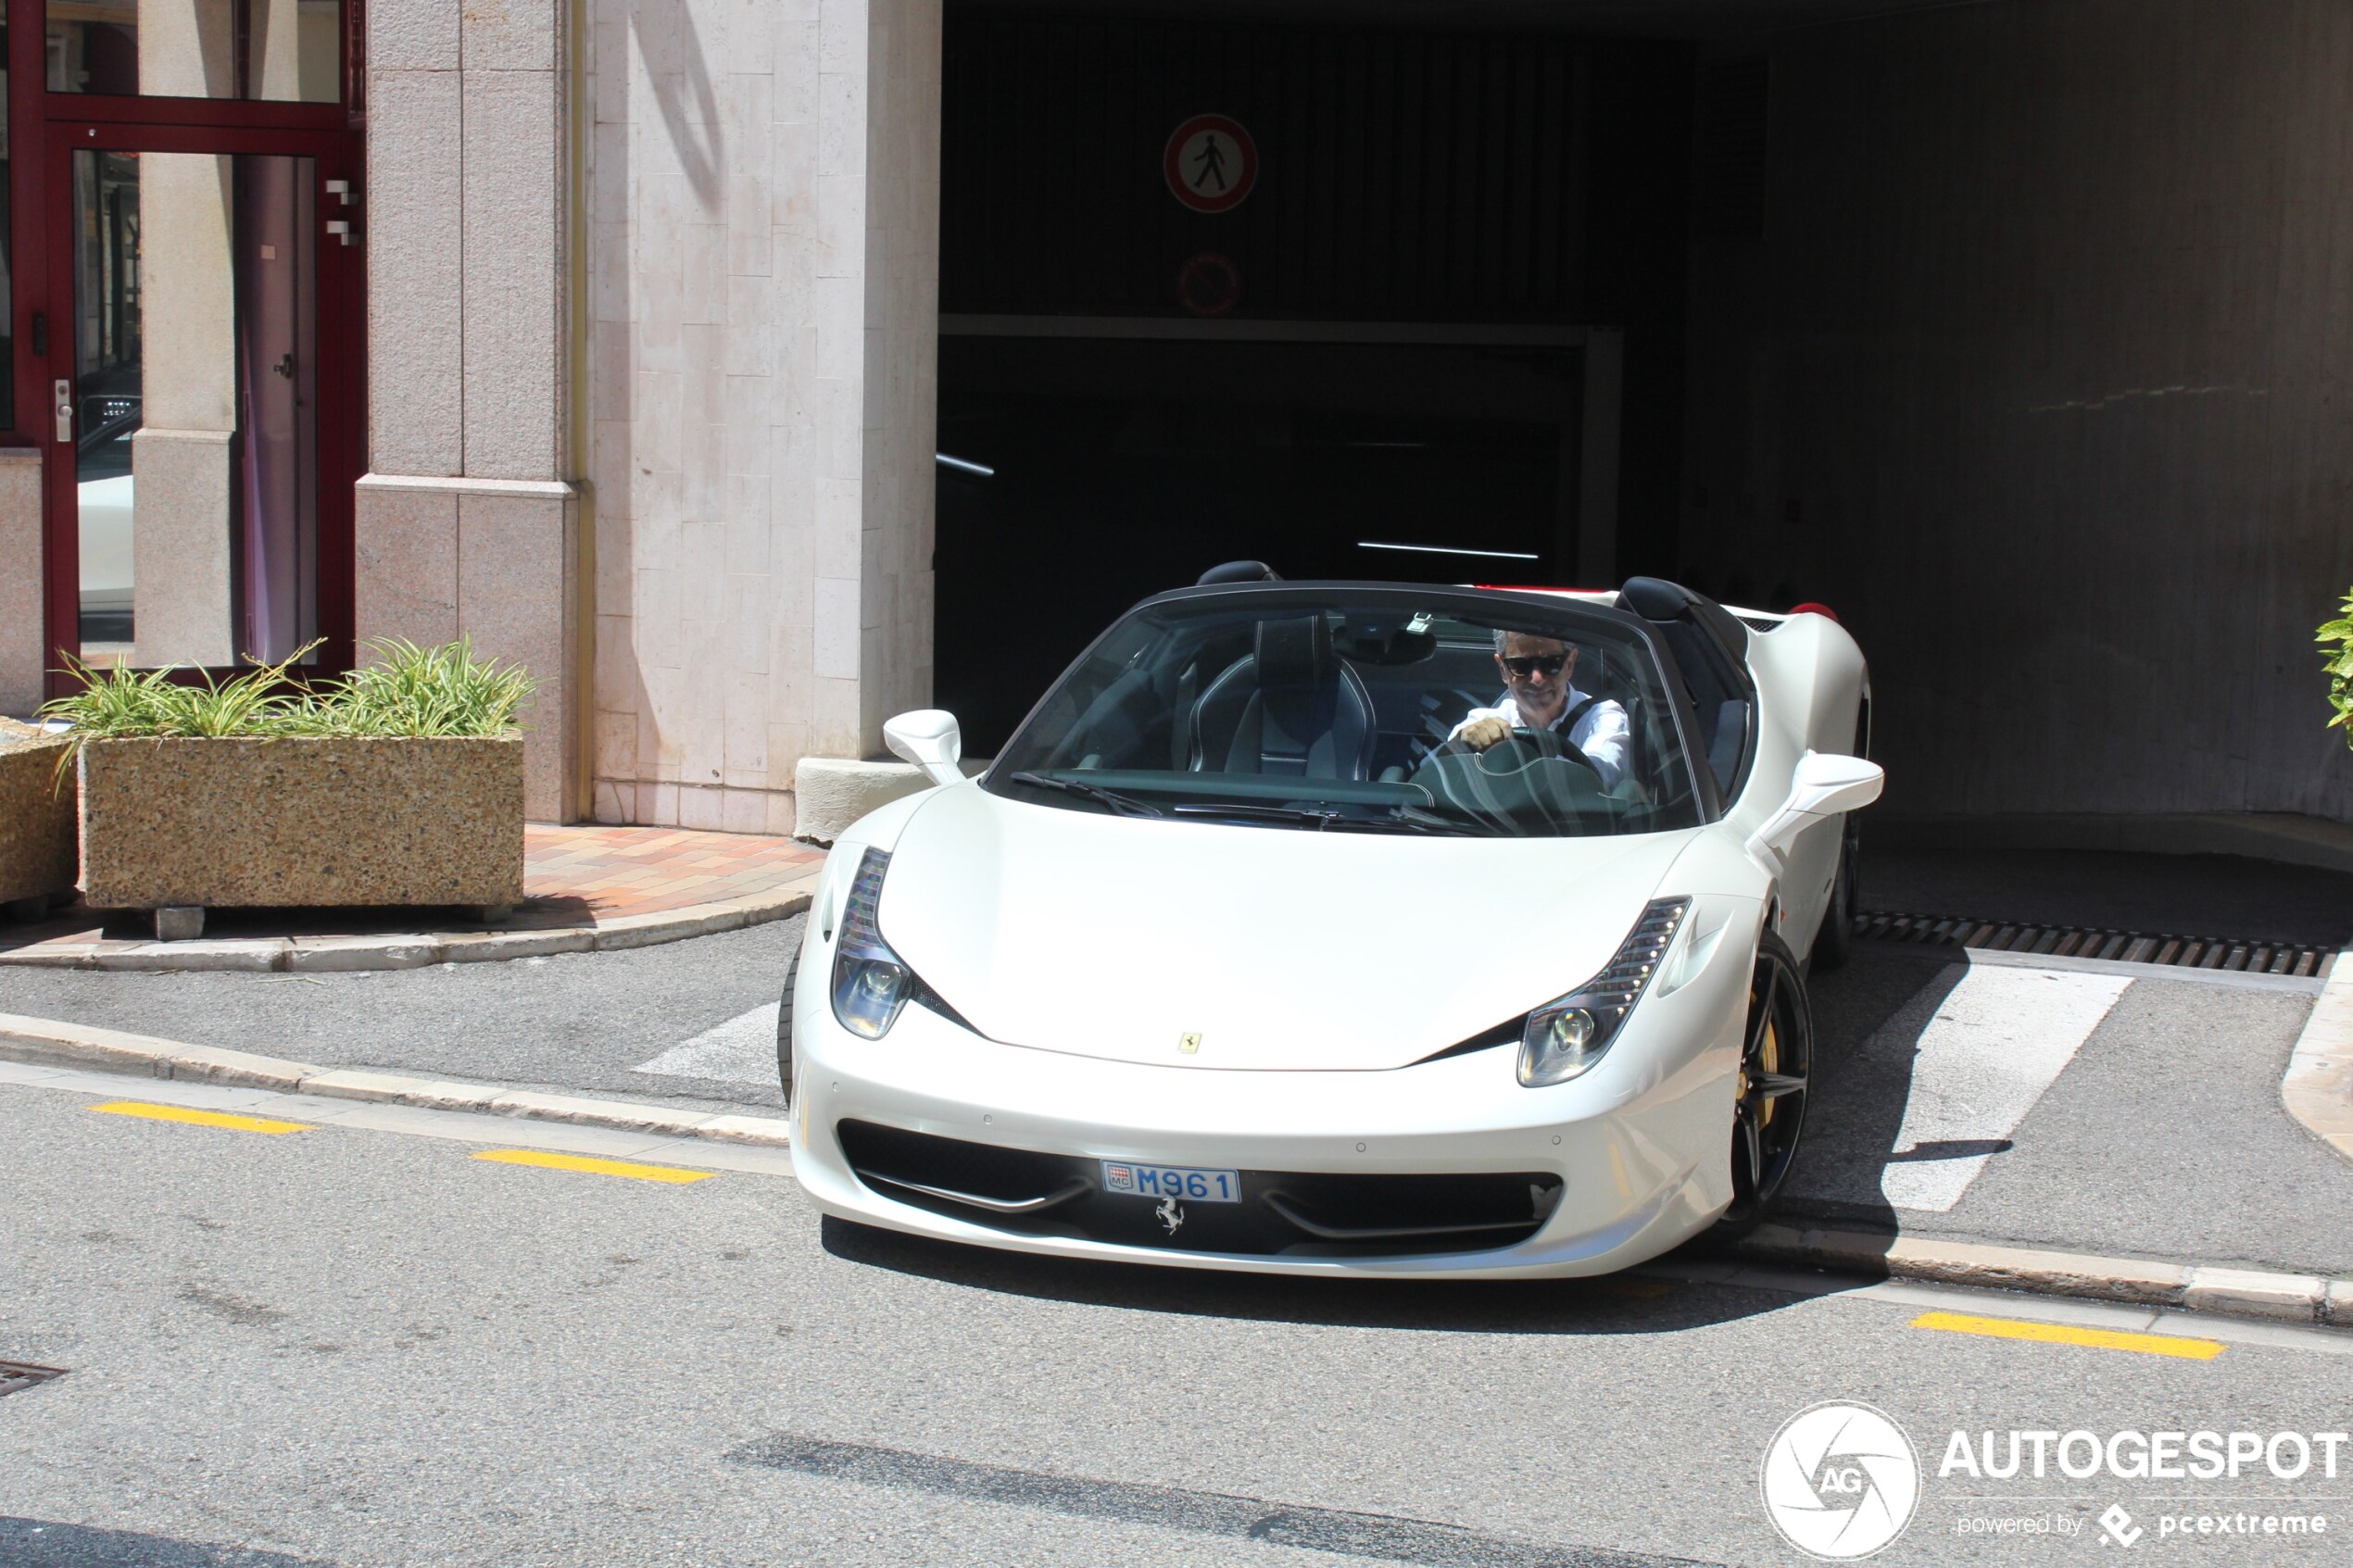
(284,366)
(65,413)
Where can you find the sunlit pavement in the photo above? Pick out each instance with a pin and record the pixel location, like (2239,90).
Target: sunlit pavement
(443,1339)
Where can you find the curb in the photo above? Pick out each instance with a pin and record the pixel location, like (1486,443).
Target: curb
(50,1043)
(2198,1287)
(2318,1089)
(322,955)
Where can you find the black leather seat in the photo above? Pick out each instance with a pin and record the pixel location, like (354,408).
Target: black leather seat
(1292,706)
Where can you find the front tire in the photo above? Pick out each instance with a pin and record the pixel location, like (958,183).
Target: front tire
(783,1025)
(1776,1073)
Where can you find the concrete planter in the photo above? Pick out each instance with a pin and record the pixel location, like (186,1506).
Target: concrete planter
(37,852)
(270,824)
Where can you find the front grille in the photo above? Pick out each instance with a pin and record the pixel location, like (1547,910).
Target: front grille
(1301,1212)
(2239,954)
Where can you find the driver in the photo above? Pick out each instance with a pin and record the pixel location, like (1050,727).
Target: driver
(1541,697)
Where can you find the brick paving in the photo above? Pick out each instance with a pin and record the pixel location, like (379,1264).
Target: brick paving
(615,870)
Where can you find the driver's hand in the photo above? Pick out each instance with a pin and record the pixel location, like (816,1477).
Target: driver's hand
(1484,733)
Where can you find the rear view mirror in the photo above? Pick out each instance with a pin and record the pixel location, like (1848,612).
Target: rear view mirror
(930,739)
(1823,785)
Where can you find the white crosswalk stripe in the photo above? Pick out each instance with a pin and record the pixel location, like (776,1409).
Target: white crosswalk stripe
(742,1050)
(1996,1041)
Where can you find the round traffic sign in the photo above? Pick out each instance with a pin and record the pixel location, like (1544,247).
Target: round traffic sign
(1209,284)
(1210,163)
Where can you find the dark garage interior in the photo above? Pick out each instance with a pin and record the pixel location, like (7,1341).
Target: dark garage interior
(2006,329)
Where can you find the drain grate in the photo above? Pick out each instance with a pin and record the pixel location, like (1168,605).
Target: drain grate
(2083,942)
(24,1375)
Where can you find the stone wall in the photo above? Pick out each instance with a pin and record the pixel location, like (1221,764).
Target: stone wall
(762,235)
(2038,378)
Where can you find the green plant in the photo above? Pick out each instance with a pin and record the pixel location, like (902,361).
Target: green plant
(445,691)
(412,691)
(2339,632)
(121,703)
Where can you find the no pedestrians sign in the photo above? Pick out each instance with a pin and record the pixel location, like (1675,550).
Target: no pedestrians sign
(1211,163)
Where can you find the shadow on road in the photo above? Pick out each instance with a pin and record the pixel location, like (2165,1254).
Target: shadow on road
(1620,1304)
(1867,1019)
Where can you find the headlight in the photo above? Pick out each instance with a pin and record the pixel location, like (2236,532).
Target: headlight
(1564,1038)
(870,981)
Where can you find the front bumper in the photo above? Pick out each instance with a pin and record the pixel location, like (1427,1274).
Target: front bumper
(1618,1166)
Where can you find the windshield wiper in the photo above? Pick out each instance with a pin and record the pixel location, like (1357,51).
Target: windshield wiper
(1400,821)
(1300,814)
(1122,805)
(1396,821)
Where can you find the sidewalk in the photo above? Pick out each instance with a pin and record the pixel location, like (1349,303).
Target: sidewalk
(2094,1108)
(586,888)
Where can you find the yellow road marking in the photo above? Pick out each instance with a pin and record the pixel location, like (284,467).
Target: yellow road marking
(2060,1334)
(201,1118)
(596,1167)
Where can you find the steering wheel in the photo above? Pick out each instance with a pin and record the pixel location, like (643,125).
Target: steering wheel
(1534,745)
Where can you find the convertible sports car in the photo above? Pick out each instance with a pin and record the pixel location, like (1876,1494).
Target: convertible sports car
(1273,940)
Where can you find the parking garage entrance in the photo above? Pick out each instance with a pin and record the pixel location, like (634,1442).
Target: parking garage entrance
(1421,325)
(1087,472)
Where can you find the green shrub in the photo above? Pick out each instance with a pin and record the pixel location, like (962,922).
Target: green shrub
(2336,646)
(408,690)
(412,691)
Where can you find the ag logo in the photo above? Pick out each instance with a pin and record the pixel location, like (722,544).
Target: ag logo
(1840,1481)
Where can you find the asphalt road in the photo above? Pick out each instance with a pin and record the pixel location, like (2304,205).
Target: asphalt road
(2161,1135)
(364,1348)
(577,1022)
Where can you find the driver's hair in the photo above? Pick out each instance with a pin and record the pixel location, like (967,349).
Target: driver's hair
(1501,633)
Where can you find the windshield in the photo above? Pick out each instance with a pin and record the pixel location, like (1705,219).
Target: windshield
(1378,711)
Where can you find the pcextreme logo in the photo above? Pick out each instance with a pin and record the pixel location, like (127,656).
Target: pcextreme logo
(1840,1481)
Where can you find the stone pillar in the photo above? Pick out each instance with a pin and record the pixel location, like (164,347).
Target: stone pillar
(23,620)
(468,523)
(763,235)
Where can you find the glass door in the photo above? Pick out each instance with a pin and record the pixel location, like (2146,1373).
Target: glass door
(207,433)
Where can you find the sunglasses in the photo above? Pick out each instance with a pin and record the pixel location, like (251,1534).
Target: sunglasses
(1537,663)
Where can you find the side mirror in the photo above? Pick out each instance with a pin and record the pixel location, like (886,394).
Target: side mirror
(1824,786)
(929,738)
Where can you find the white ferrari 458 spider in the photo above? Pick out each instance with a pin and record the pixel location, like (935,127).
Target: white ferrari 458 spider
(1347,928)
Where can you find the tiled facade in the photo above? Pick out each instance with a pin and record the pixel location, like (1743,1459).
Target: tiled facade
(762,234)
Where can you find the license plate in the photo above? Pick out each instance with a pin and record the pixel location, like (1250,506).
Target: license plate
(1187,1182)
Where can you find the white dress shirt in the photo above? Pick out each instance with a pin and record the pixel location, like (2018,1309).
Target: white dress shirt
(1600,732)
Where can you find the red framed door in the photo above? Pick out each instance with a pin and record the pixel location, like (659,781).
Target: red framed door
(202,392)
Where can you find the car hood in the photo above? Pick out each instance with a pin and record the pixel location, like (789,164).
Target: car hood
(1280,948)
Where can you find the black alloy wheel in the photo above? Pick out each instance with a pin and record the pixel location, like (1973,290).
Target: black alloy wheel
(1777,1066)
(784,1025)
